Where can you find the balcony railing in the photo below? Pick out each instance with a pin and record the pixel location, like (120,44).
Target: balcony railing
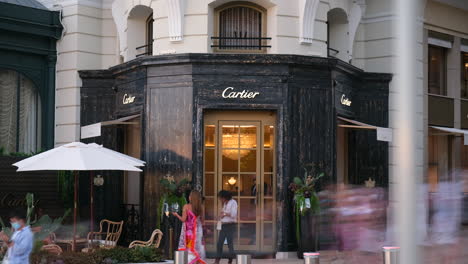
(145,50)
(332,52)
(240,43)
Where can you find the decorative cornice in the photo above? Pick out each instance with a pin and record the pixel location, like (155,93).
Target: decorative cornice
(214,58)
(357,11)
(176,19)
(378,17)
(101,4)
(307,20)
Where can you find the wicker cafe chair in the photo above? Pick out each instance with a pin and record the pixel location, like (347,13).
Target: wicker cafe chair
(53,249)
(154,240)
(107,237)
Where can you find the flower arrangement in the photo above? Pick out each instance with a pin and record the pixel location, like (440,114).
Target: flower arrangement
(305,196)
(173,198)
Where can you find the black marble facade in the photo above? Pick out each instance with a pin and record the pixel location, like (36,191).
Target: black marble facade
(172,93)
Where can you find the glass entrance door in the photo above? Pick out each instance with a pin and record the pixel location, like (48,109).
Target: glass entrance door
(239,157)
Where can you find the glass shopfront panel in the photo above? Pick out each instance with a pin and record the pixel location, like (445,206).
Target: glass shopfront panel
(244,164)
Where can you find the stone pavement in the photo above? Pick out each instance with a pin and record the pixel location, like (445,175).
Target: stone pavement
(431,255)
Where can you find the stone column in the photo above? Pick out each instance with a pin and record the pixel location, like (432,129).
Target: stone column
(407,107)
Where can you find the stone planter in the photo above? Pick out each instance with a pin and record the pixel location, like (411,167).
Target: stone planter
(308,241)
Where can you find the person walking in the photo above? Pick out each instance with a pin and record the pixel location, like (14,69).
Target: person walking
(191,236)
(20,244)
(228,220)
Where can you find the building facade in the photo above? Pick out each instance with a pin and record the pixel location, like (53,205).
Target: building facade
(183,71)
(199,80)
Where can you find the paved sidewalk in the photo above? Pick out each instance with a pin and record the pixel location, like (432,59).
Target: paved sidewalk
(326,257)
(430,255)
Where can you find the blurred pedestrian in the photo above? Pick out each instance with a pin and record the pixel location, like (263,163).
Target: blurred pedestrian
(191,236)
(227,223)
(20,244)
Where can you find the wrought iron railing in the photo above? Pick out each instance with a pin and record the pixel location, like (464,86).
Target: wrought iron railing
(133,225)
(240,43)
(145,50)
(333,52)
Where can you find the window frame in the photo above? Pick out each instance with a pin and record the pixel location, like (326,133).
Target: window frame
(149,34)
(216,29)
(464,75)
(39,122)
(444,87)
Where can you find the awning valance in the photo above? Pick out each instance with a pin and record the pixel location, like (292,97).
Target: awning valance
(120,121)
(94,130)
(452,131)
(383,133)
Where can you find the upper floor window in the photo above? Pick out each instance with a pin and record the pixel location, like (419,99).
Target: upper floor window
(338,35)
(437,76)
(20,113)
(147,49)
(241,27)
(464,73)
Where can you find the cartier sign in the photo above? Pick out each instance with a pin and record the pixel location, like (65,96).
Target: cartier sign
(128,99)
(230,92)
(345,101)
(9,200)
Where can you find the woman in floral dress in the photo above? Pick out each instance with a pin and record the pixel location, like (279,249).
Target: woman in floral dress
(191,236)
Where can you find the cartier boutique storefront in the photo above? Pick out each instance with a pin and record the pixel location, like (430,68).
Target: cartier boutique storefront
(244,123)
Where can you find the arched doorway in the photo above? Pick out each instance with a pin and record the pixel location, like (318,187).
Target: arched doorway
(338,34)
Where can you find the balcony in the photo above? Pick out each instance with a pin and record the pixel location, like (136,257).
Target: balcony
(240,43)
(145,50)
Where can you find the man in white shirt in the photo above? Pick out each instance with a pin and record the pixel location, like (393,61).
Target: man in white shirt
(228,219)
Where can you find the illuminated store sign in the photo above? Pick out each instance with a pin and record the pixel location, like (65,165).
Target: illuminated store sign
(245,94)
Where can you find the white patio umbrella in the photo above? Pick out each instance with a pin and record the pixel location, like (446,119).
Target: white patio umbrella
(76,157)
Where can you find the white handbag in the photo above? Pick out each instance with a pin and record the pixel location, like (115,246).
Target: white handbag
(5,259)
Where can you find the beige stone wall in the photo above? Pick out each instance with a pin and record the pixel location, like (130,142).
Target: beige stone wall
(446,19)
(453,21)
(285,19)
(98,33)
(89,42)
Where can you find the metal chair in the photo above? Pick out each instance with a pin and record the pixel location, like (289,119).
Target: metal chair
(154,240)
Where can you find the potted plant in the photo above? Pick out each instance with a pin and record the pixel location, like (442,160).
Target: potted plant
(306,208)
(173,198)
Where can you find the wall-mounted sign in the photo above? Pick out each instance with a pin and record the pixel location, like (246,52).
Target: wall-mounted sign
(345,101)
(10,201)
(384,134)
(128,99)
(90,131)
(245,94)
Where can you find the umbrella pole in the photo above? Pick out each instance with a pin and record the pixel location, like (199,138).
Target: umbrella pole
(75,210)
(91,191)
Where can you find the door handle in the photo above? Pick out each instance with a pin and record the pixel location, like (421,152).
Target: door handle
(258,192)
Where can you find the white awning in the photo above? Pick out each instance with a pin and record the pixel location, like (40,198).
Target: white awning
(383,133)
(464,48)
(439,42)
(451,131)
(94,130)
(120,121)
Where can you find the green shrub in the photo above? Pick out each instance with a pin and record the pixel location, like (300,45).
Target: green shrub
(101,256)
(130,255)
(43,257)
